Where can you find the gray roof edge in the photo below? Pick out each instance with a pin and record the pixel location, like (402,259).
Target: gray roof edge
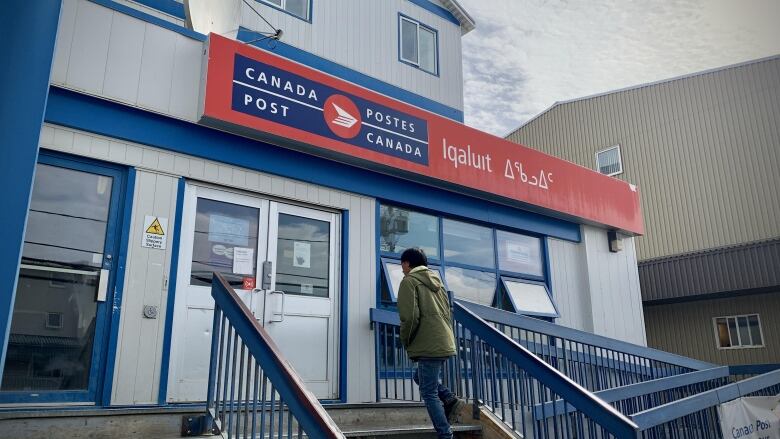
(647,84)
(467,23)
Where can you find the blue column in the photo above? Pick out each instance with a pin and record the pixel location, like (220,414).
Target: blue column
(28,30)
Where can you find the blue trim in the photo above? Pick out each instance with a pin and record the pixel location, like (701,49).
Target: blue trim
(753,369)
(353,76)
(343,336)
(436,54)
(119,284)
(29,34)
(378,252)
(170,7)
(273,6)
(150,19)
(71,109)
(162,395)
(436,9)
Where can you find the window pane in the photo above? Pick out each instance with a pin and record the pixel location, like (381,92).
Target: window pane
(396,274)
(274,2)
(468,244)
(519,253)
(408,41)
(744,332)
(401,229)
(530,298)
(303,256)
(733,331)
(219,229)
(755,330)
(609,161)
(471,285)
(427,50)
(298,7)
(723,333)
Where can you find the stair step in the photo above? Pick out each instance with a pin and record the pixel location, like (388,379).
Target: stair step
(411,431)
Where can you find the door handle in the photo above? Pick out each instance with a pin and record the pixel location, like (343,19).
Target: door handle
(102,291)
(280,314)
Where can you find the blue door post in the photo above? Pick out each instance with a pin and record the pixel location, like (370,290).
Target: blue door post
(28,30)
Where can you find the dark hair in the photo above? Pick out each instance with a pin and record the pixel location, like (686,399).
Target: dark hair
(414,256)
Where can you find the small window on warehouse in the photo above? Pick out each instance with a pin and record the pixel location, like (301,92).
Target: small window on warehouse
(479,264)
(418,45)
(743,331)
(298,8)
(609,161)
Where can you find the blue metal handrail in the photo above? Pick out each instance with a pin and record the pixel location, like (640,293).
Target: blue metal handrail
(253,392)
(696,415)
(495,371)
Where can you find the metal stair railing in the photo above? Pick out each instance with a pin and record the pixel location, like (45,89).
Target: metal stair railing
(253,392)
(494,371)
(595,362)
(697,416)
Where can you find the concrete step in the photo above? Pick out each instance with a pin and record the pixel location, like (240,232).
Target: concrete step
(365,421)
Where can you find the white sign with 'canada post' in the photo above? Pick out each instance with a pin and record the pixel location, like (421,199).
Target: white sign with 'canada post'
(155,232)
(754,417)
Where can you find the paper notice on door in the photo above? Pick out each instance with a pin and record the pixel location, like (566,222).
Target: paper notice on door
(243,260)
(307,289)
(301,254)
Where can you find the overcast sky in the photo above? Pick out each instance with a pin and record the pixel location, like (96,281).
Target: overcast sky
(525,55)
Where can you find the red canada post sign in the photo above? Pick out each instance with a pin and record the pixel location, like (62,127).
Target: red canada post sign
(283,102)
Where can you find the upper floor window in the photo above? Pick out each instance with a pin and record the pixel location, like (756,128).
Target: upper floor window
(299,8)
(418,45)
(609,161)
(739,331)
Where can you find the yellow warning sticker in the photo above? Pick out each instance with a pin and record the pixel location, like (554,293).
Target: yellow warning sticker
(154,235)
(155,228)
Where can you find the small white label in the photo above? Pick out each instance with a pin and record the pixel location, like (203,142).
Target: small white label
(301,254)
(243,260)
(97,258)
(307,289)
(155,232)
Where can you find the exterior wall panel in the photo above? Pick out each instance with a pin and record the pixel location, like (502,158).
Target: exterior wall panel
(665,324)
(716,134)
(363,36)
(139,353)
(106,53)
(569,282)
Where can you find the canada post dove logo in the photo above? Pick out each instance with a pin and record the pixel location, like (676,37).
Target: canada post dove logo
(342,116)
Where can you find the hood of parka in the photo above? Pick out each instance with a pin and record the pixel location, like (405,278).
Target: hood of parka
(429,278)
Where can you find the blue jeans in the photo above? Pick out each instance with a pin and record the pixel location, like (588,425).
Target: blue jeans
(433,393)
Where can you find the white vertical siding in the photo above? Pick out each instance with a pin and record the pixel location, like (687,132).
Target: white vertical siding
(363,36)
(613,280)
(137,374)
(569,281)
(106,53)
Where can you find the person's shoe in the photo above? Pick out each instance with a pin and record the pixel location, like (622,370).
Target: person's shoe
(453,408)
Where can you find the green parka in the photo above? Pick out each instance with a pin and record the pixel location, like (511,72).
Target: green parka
(426,318)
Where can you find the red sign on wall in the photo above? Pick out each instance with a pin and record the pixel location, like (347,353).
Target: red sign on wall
(280,99)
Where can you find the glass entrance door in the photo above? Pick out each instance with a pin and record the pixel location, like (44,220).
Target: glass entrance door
(55,347)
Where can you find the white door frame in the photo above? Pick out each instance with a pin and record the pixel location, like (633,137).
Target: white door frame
(266,250)
(183,301)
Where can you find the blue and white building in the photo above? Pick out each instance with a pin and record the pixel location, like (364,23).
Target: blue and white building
(119,205)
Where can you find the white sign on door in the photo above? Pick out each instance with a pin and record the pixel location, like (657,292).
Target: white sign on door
(754,417)
(302,254)
(155,232)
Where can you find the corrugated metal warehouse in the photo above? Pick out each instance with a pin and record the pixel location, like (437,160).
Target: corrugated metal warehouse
(704,150)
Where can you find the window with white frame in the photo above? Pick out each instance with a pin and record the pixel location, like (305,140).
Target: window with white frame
(479,264)
(743,331)
(609,161)
(418,45)
(298,8)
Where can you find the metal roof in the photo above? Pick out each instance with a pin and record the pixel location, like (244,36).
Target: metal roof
(733,269)
(648,84)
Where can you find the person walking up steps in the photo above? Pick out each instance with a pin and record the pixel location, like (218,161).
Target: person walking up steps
(426,333)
